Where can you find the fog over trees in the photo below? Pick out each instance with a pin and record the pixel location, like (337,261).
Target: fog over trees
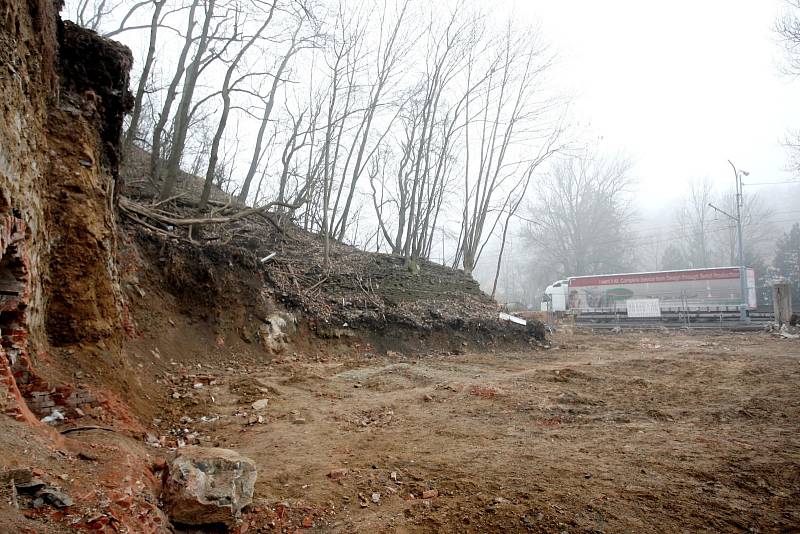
(422,129)
(581,216)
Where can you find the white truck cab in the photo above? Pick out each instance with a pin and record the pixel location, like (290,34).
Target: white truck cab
(556,296)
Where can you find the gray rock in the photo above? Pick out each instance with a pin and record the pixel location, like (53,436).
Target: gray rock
(260,405)
(32,485)
(208,485)
(275,334)
(55,497)
(54,418)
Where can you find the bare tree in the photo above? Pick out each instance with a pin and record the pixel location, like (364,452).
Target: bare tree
(693,220)
(305,181)
(182,119)
(92,13)
(144,77)
(758,230)
(513,202)
(500,78)
(345,55)
(225,93)
(582,216)
(296,43)
(387,57)
(787,27)
(446,58)
(399,197)
(169,98)
(792,145)
(426,164)
(128,24)
(509,108)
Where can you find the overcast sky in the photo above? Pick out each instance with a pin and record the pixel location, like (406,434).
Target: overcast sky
(680,87)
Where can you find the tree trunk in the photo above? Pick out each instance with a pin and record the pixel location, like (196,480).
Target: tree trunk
(136,113)
(276,81)
(172,91)
(182,116)
(226,108)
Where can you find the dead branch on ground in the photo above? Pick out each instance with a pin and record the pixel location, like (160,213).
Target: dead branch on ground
(130,206)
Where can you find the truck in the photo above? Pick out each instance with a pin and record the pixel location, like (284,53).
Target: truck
(713,289)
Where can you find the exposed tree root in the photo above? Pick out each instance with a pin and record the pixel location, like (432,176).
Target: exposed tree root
(130,206)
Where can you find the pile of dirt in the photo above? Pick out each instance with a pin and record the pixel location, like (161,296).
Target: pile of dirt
(372,290)
(354,293)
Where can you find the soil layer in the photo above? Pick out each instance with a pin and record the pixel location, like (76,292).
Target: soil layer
(631,433)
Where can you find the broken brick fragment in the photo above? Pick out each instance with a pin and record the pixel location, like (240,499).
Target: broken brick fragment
(430,494)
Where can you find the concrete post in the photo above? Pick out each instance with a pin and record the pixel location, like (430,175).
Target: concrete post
(782,302)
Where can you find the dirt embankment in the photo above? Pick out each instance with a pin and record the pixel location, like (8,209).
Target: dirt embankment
(357,294)
(57,178)
(61,308)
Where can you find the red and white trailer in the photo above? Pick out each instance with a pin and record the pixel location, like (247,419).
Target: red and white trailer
(684,290)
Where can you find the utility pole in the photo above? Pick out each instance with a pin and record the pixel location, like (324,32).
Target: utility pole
(742,270)
(743,317)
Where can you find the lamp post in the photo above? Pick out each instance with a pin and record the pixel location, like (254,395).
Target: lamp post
(743,317)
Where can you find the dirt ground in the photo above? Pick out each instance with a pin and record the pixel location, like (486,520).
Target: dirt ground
(638,432)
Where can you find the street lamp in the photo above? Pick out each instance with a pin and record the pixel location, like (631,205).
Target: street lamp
(743,317)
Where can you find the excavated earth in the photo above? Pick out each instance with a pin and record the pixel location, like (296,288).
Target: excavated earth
(629,433)
(384,400)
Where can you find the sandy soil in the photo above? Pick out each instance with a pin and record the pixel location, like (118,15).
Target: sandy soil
(631,433)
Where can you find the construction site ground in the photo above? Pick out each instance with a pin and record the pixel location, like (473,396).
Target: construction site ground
(638,432)
(374,393)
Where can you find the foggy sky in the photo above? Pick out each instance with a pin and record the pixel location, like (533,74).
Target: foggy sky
(680,87)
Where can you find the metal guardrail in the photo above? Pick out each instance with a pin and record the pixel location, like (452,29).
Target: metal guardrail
(705,319)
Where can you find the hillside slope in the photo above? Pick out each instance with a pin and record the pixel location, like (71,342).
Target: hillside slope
(357,294)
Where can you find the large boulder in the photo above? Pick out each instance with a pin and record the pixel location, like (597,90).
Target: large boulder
(206,485)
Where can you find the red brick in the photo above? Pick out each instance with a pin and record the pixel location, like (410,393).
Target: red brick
(430,494)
